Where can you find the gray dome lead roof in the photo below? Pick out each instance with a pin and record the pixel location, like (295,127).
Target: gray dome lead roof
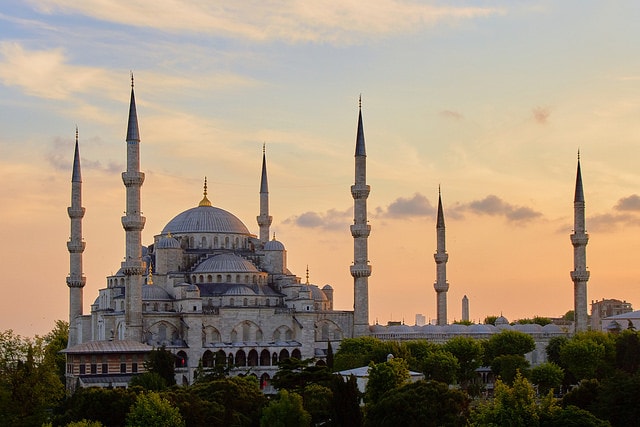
(205,219)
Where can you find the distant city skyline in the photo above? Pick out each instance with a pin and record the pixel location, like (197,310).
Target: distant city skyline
(489,100)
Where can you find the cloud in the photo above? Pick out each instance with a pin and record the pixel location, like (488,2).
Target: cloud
(541,114)
(631,203)
(494,206)
(294,21)
(454,115)
(60,157)
(332,220)
(416,206)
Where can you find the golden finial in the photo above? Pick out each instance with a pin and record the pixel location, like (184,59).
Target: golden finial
(169,235)
(264,148)
(360,101)
(307,274)
(150,276)
(205,201)
(76,134)
(578,154)
(274,235)
(131,78)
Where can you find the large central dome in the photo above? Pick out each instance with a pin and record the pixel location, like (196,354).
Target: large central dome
(205,219)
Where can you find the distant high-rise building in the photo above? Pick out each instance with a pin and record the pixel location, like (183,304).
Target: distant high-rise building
(607,308)
(421,320)
(465,309)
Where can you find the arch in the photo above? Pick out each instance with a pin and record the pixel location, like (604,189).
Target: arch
(193,278)
(191,243)
(321,363)
(295,354)
(203,242)
(265,358)
(241,358)
(245,302)
(220,358)
(228,278)
(235,245)
(215,242)
(238,278)
(252,359)
(234,336)
(284,355)
(209,278)
(121,282)
(207,359)
(274,359)
(219,278)
(201,278)
(246,330)
(226,242)
(230,360)
(210,335)
(181,359)
(246,279)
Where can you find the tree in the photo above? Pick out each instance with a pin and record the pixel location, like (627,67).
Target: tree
(468,351)
(56,341)
(582,357)
(628,351)
(346,402)
(358,352)
(569,315)
(329,355)
(441,366)
(162,362)
(547,376)
(109,406)
(150,381)
(571,416)
(507,342)
(317,401)
(384,377)
(294,375)
(423,403)
(512,406)
(285,411)
(490,320)
(507,366)
(151,410)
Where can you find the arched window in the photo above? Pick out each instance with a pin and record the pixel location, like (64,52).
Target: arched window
(325,332)
(274,359)
(236,243)
(241,358)
(201,278)
(237,278)
(245,302)
(234,336)
(207,359)
(255,280)
(221,358)
(203,243)
(181,359)
(228,278)
(215,242)
(284,354)
(191,245)
(219,278)
(246,330)
(193,279)
(226,242)
(230,360)
(231,302)
(252,360)
(265,358)
(296,354)
(246,278)
(209,278)
(264,381)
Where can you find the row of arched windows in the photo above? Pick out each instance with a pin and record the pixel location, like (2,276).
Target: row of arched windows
(241,358)
(229,278)
(216,243)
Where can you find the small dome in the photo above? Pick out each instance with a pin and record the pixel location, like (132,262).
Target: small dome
(273,245)
(501,320)
(528,328)
(168,243)
(480,329)
(205,219)
(193,288)
(226,263)
(457,328)
(317,294)
(377,328)
(240,290)
(551,328)
(327,288)
(154,292)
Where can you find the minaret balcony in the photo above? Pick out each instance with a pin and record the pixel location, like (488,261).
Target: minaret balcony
(360,270)
(133,268)
(580,275)
(75,247)
(441,257)
(264,220)
(580,239)
(360,230)
(441,287)
(132,178)
(76,282)
(133,222)
(360,191)
(75,212)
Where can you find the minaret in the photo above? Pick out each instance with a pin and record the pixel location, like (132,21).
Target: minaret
(264,220)
(441,286)
(360,270)
(133,223)
(465,309)
(75,245)
(579,240)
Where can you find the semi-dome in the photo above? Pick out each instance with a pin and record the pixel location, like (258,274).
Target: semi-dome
(273,245)
(205,219)
(226,263)
(154,292)
(167,242)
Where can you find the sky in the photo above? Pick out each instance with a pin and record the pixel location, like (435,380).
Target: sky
(490,100)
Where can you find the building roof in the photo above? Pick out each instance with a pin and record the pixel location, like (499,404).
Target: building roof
(205,219)
(103,347)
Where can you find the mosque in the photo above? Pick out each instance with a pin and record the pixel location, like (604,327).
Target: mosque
(213,293)
(206,288)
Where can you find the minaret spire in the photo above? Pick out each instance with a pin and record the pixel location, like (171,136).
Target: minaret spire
(133,223)
(75,246)
(579,240)
(360,230)
(441,257)
(264,219)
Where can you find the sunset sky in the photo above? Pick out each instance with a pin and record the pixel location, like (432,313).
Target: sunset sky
(489,99)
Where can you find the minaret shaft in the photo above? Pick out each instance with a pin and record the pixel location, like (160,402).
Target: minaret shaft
(75,246)
(441,257)
(360,270)
(133,224)
(579,240)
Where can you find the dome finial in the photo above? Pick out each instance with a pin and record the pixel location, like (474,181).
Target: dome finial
(274,235)
(307,274)
(205,201)
(131,78)
(360,101)
(578,154)
(150,275)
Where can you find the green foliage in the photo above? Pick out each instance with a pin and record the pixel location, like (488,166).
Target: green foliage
(162,362)
(194,410)
(463,322)
(150,381)
(512,406)
(317,401)
(628,351)
(469,352)
(330,355)
(358,352)
(384,377)
(85,423)
(582,357)
(553,349)
(56,341)
(547,376)
(109,406)
(417,351)
(294,375)
(572,416)
(441,366)
(507,342)
(569,315)
(423,403)
(346,403)
(240,397)
(538,320)
(152,410)
(285,411)
(508,366)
